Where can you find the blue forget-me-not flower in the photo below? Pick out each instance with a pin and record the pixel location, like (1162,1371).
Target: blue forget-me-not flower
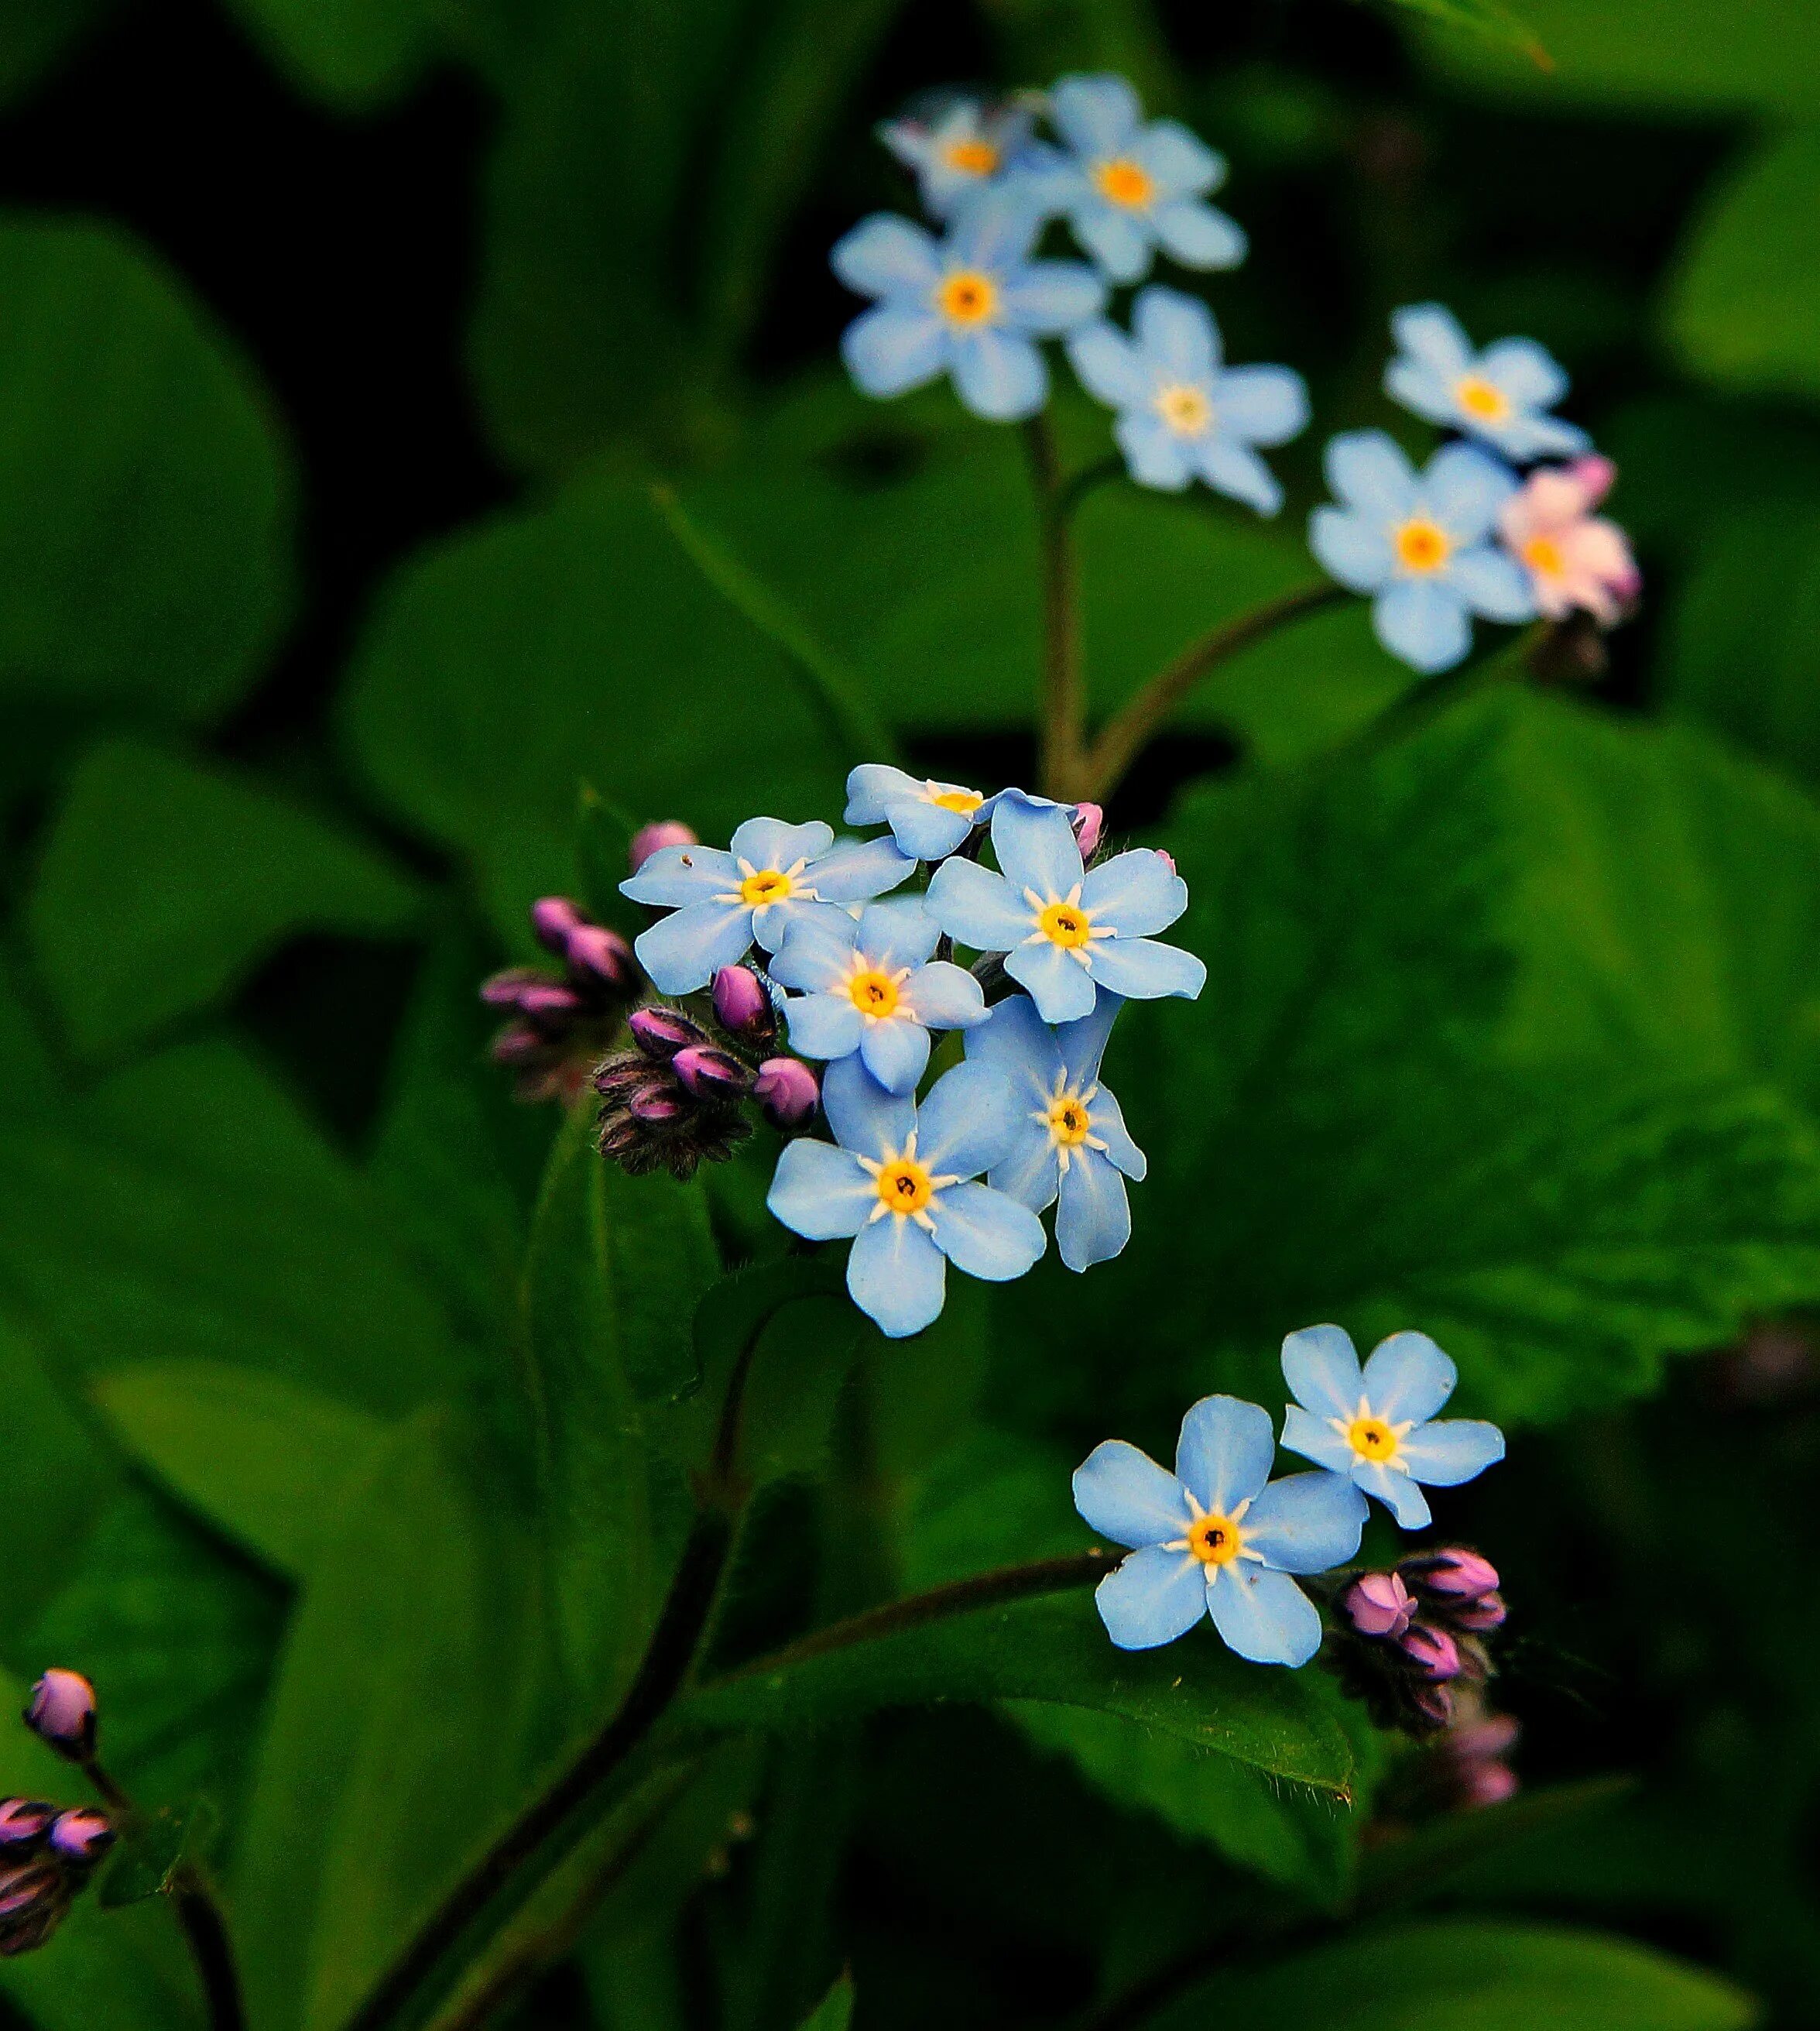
(1503,394)
(1422,544)
(1064,931)
(959,149)
(1375,1425)
(1217,1536)
(899,1185)
(874,987)
(972,305)
(1128,186)
(928,819)
(1182,415)
(775,875)
(1071,1142)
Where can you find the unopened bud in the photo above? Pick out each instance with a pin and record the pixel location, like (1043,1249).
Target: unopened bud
(1089,825)
(712,1075)
(742,1005)
(61,1713)
(1432,1651)
(555,919)
(662,1033)
(1377,1605)
(1482,1784)
(657,1106)
(599,957)
(1478,1617)
(550,1006)
(1594,475)
(519,1044)
(1479,1741)
(23,1823)
(653,838)
(787,1091)
(1431,1702)
(1452,1575)
(81,1836)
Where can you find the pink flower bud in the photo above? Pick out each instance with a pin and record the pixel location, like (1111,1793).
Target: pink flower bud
(1485,1784)
(1594,475)
(1479,1741)
(787,1091)
(519,1044)
(26,1890)
(658,1107)
(712,1075)
(742,1004)
(549,1005)
(23,1823)
(662,1033)
(1089,825)
(554,918)
(653,838)
(1377,1605)
(1431,1702)
(62,1714)
(82,1835)
(1432,1651)
(1452,1575)
(1480,1616)
(598,957)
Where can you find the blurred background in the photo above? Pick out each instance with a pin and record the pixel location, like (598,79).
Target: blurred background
(340,341)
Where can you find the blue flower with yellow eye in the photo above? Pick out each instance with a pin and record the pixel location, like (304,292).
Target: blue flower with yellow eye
(958,151)
(1376,1424)
(1127,185)
(775,875)
(971,306)
(1066,932)
(900,1185)
(1071,1143)
(1217,1536)
(1503,394)
(1423,545)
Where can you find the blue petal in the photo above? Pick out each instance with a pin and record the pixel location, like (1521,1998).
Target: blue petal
(896,1052)
(926,831)
(1353,548)
(1266,405)
(1529,374)
(771,843)
(1525,437)
(966,1124)
(856,869)
(824,1026)
(1493,583)
(865,1118)
(675,875)
(1455,1449)
(1315,1439)
(894,348)
(1135,894)
(1236,471)
(1224,1454)
(1464,488)
(1179,162)
(987,1233)
(1108,1123)
(774,923)
(1307,1523)
(899,932)
(1155,455)
(820,1192)
(1113,238)
(1321,1366)
(1407,1376)
(1264,1615)
(1048,298)
(1094,1221)
(1200,236)
(1419,388)
(686,949)
(1423,624)
(1123,1494)
(872,788)
(1095,114)
(1036,848)
(897,1275)
(1060,986)
(1029,1172)
(999,375)
(1153,1597)
(1368,471)
(816,951)
(887,256)
(1015,1040)
(1082,1044)
(1430,332)
(995,231)
(1143,970)
(1398,1494)
(976,907)
(1178,334)
(1109,367)
(942,995)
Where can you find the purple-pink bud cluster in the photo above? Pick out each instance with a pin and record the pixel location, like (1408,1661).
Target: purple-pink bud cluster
(46,1857)
(559,1026)
(1406,1640)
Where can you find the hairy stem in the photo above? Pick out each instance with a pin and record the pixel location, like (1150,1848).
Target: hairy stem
(1061,730)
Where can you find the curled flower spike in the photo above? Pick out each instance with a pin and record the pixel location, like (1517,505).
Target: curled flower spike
(1577,562)
(1418,544)
(971,306)
(1375,1425)
(1066,932)
(958,151)
(898,1185)
(1216,1537)
(1071,1142)
(1501,395)
(876,988)
(1182,415)
(1128,186)
(775,875)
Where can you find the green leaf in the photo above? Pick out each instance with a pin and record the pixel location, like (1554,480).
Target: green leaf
(35,34)
(152,1850)
(575,644)
(1744,308)
(835,2012)
(261,1461)
(145,502)
(125,1969)
(1493,1976)
(1488,18)
(1411,1864)
(1041,38)
(353,54)
(164,882)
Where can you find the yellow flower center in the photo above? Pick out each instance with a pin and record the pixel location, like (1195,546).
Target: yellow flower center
(1065,924)
(972,158)
(1070,1123)
(1122,181)
(874,993)
(765,886)
(1543,555)
(967,297)
(1479,398)
(904,1186)
(1371,1438)
(1214,1539)
(1422,546)
(1185,409)
(965,801)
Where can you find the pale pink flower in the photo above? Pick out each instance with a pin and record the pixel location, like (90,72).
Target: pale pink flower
(1577,562)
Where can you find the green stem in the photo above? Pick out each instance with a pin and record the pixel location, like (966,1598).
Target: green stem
(1062,729)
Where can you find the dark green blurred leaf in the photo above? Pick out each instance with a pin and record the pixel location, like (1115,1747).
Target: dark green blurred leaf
(351,53)
(151,1851)
(125,1969)
(1414,1863)
(604,834)
(1041,38)
(1488,18)
(144,498)
(836,2012)
(1496,1977)
(35,34)
(267,1464)
(165,882)
(1744,309)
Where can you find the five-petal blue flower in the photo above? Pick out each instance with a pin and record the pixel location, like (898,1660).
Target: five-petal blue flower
(959,151)
(1071,1141)
(1064,931)
(972,305)
(874,987)
(1422,543)
(775,875)
(1502,394)
(1182,416)
(1375,1425)
(1217,1536)
(899,1185)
